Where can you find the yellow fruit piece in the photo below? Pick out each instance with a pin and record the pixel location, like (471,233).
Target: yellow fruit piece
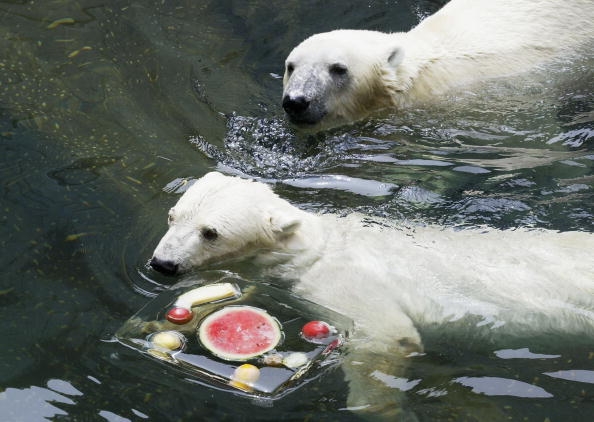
(209,293)
(245,376)
(170,340)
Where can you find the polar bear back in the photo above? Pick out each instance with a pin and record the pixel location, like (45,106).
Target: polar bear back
(434,274)
(484,39)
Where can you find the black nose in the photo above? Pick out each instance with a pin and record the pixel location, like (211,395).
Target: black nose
(165,267)
(295,105)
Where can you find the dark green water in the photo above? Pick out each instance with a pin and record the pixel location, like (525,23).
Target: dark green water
(100,111)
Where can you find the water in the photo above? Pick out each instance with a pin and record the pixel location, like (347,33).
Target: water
(103,105)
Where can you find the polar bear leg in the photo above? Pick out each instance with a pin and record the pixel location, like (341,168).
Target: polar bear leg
(369,394)
(375,368)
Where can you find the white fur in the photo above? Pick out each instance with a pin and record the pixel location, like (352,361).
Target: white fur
(421,275)
(465,41)
(391,280)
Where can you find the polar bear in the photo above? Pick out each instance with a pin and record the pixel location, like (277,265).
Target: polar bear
(390,280)
(343,75)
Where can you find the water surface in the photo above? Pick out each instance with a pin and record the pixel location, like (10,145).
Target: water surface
(105,108)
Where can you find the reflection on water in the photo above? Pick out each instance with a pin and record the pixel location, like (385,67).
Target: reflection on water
(107,110)
(580,375)
(524,353)
(493,386)
(35,402)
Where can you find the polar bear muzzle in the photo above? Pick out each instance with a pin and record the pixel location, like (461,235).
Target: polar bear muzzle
(163,266)
(303,111)
(304,95)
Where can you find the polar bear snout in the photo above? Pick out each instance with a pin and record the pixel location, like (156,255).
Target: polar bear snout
(294,106)
(164,266)
(302,110)
(304,95)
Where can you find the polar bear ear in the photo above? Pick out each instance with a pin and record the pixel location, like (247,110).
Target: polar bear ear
(395,56)
(284,225)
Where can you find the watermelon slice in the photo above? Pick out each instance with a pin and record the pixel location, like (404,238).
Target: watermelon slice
(239,333)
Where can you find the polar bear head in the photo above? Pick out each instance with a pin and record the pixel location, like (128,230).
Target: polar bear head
(221,217)
(340,76)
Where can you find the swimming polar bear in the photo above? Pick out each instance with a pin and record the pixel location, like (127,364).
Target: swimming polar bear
(343,75)
(390,280)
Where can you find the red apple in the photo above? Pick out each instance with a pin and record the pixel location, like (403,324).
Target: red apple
(179,315)
(315,330)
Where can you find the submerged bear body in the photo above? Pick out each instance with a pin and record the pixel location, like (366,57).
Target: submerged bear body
(392,281)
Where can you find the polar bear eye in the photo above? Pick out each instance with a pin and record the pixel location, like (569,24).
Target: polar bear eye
(170,217)
(290,68)
(338,69)
(209,233)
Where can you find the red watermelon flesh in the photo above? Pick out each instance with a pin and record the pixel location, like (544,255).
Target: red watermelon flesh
(239,332)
